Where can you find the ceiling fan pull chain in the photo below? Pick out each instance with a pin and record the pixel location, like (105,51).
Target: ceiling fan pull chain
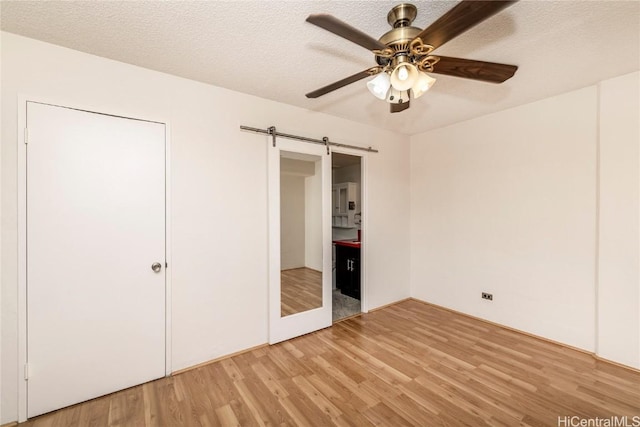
(272,132)
(326,144)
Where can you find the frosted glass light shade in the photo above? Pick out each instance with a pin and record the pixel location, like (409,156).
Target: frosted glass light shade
(379,85)
(404,76)
(422,84)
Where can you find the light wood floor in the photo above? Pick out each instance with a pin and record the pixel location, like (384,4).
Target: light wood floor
(300,290)
(407,364)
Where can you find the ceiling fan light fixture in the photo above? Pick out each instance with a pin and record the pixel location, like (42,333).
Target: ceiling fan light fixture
(423,83)
(379,85)
(396,96)
(404,76)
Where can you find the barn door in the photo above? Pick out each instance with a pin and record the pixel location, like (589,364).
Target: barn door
(95,224)
(299,240)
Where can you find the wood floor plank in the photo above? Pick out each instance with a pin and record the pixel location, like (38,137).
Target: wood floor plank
(381,414)
(320,400)
(150,408)
(265,405)
(303,406)
(242,413)
(193,392)
(345,384)
(406,364)
(226,416)
(263,414)
(349,405)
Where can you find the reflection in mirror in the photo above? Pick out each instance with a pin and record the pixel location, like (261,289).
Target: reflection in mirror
(300,233)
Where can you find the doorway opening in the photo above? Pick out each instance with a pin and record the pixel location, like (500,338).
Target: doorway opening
(346,235)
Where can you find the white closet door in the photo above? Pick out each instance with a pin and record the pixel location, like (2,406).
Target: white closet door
(95,226)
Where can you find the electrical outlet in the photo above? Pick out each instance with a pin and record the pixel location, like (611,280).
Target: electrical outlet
(487,296)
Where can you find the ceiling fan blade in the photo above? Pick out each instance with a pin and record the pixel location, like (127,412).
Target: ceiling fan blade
(476,70)
(396,108)
(341,83)
(342,29)
(462,17)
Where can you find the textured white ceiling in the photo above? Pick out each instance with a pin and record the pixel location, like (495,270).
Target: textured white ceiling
(265,48)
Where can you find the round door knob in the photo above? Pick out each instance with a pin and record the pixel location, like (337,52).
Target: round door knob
(156,266)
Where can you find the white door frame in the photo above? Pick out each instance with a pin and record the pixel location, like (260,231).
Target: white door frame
(364,221)
(283,328)
(22,231)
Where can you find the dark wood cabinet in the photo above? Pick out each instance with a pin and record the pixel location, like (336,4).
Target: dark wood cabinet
(348,270)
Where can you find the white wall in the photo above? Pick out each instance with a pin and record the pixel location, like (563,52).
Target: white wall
(347,174)
(619,211)
(219,211)
(300,214)
(313,218)
(292,221)
(508,204)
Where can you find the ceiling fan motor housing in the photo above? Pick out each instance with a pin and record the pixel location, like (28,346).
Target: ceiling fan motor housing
(402,15)
(398,39)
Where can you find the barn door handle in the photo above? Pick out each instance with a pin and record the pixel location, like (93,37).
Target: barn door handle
(156,267)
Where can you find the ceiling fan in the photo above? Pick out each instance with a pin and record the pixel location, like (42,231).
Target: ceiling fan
(403,54)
